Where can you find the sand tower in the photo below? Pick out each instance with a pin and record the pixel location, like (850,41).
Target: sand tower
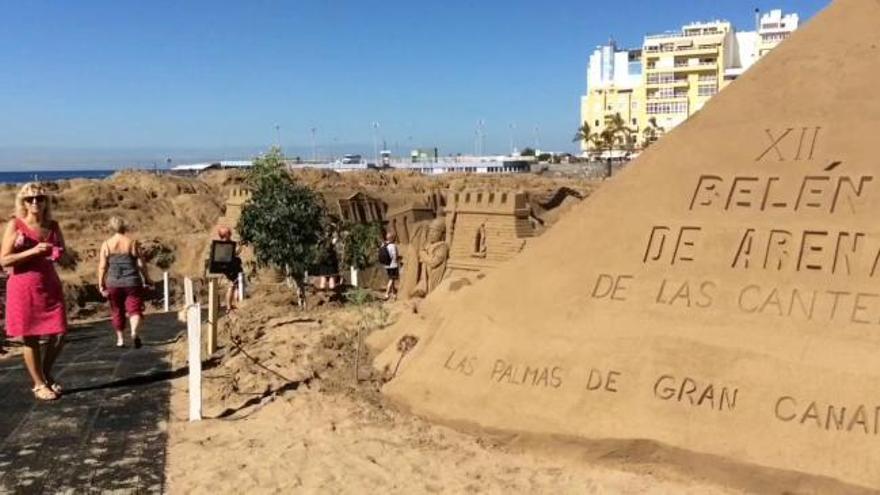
(719,296)
(235,202)
(487,227)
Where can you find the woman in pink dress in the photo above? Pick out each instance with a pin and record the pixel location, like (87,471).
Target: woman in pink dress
(35,309)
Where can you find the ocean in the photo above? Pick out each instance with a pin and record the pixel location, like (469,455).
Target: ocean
(52,175)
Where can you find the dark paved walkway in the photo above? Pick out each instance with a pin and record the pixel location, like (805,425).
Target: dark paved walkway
(108,432)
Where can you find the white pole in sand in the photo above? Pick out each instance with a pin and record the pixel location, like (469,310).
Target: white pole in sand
(188,296)
(354,276)
(194,341)
(213,311)
(166,291)
(240,286)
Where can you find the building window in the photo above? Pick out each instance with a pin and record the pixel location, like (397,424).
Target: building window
(707,89)
(667,107)
(661,78)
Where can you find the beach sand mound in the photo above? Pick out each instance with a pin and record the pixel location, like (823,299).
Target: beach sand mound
(283,413)
(174,216)
(717,297)
(171,216)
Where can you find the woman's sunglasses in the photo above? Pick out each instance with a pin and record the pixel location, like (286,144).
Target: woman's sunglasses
(34,200)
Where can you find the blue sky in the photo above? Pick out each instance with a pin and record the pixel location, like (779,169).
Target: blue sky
(111,82)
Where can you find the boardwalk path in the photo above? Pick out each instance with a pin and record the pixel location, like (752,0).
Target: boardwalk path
(108,432)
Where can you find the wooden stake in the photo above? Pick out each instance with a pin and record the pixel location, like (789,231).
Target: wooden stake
(188,295)
(213,310)
(166,291)
(194,338)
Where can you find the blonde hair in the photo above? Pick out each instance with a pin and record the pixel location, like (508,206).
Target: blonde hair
(32,189)
(117,225)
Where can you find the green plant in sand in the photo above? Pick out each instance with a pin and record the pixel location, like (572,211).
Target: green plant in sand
(359,244)
(283,220)
(372,316)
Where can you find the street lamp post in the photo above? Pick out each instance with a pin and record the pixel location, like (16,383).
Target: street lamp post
(376,142)
(481,136)
(512,130)
(278,136)
(314,145)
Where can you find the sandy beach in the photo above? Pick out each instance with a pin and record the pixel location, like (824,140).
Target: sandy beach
(321,433)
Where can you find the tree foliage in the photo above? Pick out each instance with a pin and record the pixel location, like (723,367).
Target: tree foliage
(583,134)
(283,220)
(614,135)
(651,132)
(360,241)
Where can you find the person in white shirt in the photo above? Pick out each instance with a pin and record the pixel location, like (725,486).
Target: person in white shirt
(392,268)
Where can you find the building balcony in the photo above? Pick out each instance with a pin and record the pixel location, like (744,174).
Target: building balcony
(683,50)
(669,98)
(675,83)
(695,67)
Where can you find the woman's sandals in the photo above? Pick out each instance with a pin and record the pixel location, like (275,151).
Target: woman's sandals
(43,392)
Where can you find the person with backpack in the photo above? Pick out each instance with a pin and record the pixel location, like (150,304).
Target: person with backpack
(232,271)
(388,258)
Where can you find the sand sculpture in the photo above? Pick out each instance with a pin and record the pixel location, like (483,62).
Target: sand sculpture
(235,202)
(426,263)
(361,208)
(720,295)
(488,227)
(406,221)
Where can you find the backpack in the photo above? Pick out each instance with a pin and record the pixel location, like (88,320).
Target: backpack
(384,256)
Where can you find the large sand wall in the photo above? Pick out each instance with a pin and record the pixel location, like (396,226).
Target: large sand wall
(721,295)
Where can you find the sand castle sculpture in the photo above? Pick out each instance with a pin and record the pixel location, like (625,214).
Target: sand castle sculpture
(359,208)
(235,202)
(474,231)
(488,227)
(406,221)
(719,296)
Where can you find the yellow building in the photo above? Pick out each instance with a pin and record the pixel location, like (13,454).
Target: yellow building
(613,87)
(683,70)
(674,73)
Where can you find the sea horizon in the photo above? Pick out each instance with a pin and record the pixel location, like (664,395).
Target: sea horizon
(21,177)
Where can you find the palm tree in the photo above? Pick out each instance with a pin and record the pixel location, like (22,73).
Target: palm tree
(616,135)
(583,134)
(651,133)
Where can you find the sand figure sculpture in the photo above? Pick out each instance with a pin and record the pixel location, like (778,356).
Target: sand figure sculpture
(409,276)
(431,259)
(718,297)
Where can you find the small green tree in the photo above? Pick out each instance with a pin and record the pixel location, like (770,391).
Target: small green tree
(360,241)
(283,220)
(527,152)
